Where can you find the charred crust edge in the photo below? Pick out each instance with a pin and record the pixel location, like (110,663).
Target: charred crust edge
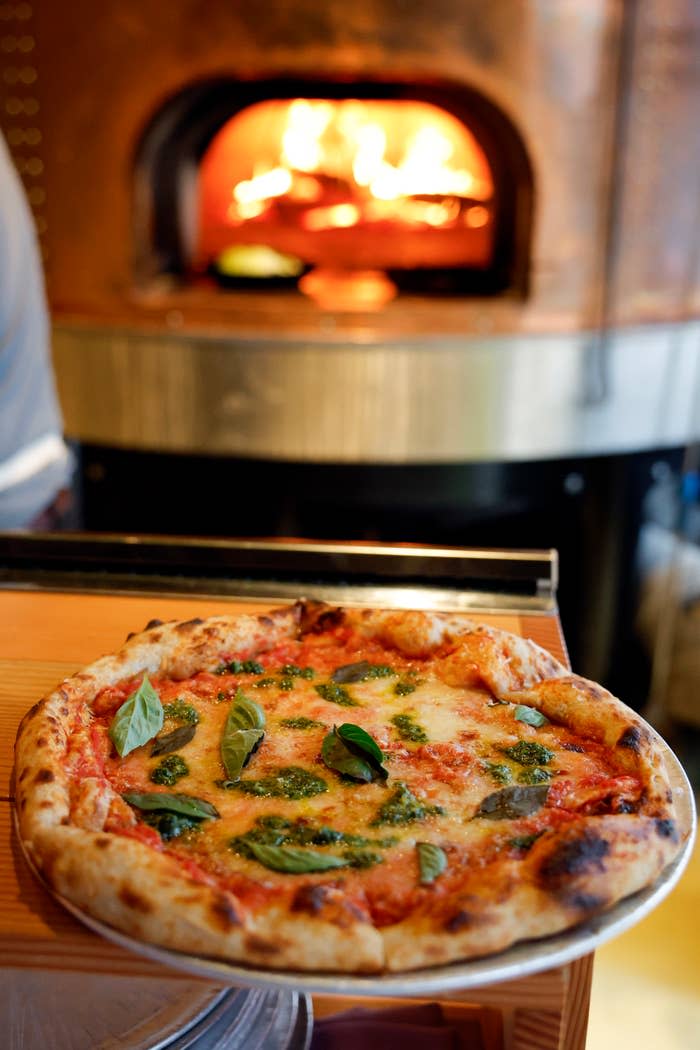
(223,912)
(667,829)
(319,616)
(134,900)
(188,625)
(632,737)
(310,899)
(574,856)
(458,921)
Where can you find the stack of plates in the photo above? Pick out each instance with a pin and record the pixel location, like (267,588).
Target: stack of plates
(78,1012)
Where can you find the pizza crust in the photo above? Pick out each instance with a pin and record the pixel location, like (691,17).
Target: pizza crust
(566,878)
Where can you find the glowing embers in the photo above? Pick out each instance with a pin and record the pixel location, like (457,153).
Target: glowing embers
(346,185)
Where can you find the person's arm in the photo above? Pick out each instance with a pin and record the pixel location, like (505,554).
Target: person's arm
(35,464)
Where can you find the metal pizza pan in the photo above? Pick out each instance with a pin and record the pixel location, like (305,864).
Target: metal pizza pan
(521,960)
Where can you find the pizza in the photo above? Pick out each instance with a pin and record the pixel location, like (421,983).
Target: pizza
(340,790)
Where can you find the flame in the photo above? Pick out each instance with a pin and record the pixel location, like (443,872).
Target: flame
(274,183)
(301,141)
(339,216)
(300,175)
(343,140)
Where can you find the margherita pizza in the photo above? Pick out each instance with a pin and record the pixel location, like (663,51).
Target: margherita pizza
(340,790)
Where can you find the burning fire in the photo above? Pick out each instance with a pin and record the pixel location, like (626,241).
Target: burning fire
(347,185)
(327,149)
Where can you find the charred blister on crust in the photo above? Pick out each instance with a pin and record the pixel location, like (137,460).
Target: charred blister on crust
(586,903)
(31,713)
(317,617)
(310,899)
(134,901)
(329,900)
(458,921)
(667,829)
(223,913)
(44,776)
(41,741)
(574,856)
(188,625)
(633,737)
(153,623)
(102,842)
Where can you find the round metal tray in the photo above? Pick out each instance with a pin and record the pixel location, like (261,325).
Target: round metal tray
(525,958)
(68,1011)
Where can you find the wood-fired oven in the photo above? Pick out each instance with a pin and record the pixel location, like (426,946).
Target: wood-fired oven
(385,269)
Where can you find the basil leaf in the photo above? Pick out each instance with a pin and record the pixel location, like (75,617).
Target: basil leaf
(351,672)
(339,757)
(526,842)
(350,750)
(294,861)
(138,719)
(244,714)
(188,805)
(359,740)
(163,745)
(237,749)
(530,716)
(243,731)
(432,861)
(512,802)
(170,825)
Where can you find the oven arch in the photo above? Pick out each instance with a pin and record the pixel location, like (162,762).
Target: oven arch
(177,136)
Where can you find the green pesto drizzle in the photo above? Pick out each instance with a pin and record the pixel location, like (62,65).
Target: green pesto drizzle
(291,782)
(408,729)
(170,770)
(335,694)
(301,722)
(402,807)
(179,711)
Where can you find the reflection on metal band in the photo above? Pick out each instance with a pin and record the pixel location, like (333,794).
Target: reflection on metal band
(410,401)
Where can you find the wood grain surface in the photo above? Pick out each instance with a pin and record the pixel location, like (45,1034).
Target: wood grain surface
(47,636)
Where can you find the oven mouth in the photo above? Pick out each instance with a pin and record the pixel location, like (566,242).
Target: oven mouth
(352,192)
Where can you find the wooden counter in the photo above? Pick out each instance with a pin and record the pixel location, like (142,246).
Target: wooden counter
(45,637)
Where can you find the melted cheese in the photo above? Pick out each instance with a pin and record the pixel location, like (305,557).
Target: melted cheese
(467,733)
